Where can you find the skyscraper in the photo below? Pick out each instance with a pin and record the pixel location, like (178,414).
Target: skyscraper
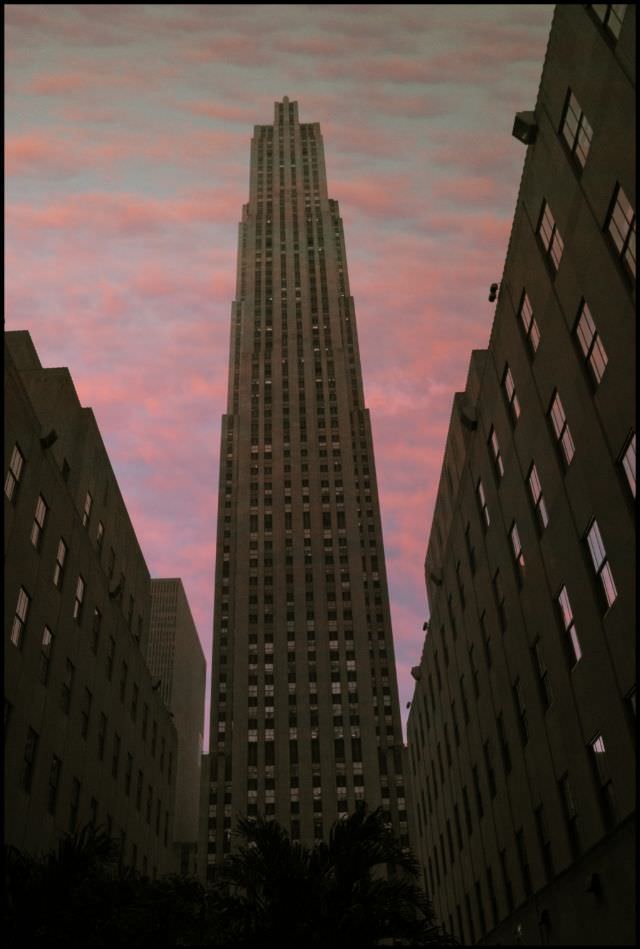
(304,713)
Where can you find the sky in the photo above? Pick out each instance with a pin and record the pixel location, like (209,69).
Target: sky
(127,136)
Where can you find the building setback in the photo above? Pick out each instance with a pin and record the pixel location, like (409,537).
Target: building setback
(87,739)
(521,731)
(304,710)
(175,657)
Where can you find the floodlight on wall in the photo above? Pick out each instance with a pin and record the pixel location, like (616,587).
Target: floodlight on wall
(493,292)
(49,439)
(525,127)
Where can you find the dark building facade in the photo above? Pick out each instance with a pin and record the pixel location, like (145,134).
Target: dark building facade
(175,657)
(522,727)
(304,711)
(87,739)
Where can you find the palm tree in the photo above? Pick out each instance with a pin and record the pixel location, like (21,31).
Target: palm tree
(357,889)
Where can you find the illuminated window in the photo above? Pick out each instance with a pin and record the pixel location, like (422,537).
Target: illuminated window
(45,654)
(38,522)
(550,237)
(601,564)
(86,514)
(601,768)
(536,496)
(621,226)
(561,429)
(20,618)
(516,547)
(484,510)
(528,322)
(628,462)
(495,451)
(58,570)
(591,343)
(574,650)
(510,394)
(79,600)
(611,16)
(14,474)
(576,130)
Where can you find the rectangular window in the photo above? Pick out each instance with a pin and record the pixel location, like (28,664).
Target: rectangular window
(470,548)
(115,761)
(546,692)
(561,429)
(39,518)
(67,686)
(516,547)
(86,514)
(535,489)
(603,776)
(124,672)
(45,654)
(504,745)
(528,322)
(628,462)
(54,783)
(58,570)
(510,394)
(498,593)
(134,702)
(570,813)
(102,736)
(86,712)
(111,655)
(495,451)
(79,600)
(611,16)
(14,474)
(29,760)
(482,501)
(576,130)
(574,650)
(521,709)
(601,564)
(545,842)
(590,343)
(621,227)
(550,237)
(20,618)
(74,804)
(95,629)
(100,536)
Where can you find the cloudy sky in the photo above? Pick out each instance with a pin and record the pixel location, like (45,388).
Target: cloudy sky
(127,131)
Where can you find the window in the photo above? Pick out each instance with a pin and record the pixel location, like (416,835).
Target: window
(524,862)
(575,129)
(570,814)
(111,654)
(115,761)
(495,451)
(545,842)
(58,570)
(504,744)
(95,628)
(29,760)
(510,394)
(482,501)
(86,514)
(86,712)
(521,709)
(79,600)
(611,16)
(628,462)
(550,237)
(590,343)
(54,783)
(561,429)
(45,654)
(102,736)
(601,564)
(100,535)
(601,768)
(14,474)
(67,686)
(621,226)
(38,522)
(124,672)
(134,702)
(498,593)
(518,556)
(528,322)
(574,652)
(535,489)
(546,692)
(20,618)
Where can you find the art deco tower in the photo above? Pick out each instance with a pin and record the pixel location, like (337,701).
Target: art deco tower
(304,712)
